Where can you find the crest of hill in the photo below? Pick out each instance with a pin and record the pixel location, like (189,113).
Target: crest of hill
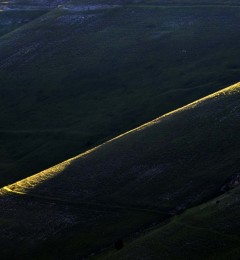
(171,163)
(135,181)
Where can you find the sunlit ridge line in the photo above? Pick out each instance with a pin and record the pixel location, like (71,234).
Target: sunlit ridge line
(50,171)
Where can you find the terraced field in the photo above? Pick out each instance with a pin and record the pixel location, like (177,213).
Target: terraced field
(149,187)
(77,74)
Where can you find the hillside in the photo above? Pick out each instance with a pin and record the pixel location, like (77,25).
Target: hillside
(209,231)
(75,75)
(137,181)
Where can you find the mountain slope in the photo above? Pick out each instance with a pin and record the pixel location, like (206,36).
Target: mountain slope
(184,156)
(145,176)
(82,74)
(209,231)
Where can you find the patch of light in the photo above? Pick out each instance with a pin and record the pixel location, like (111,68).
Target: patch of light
(32,182)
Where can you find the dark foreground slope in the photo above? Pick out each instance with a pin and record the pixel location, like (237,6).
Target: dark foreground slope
(209,231)
(139,179)
(82,74)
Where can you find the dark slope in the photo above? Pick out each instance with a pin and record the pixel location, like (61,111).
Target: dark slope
(174,161)
(142,177)
(209,231)
(75,78)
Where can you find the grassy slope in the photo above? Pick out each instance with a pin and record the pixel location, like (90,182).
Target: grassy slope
(34,228)
(193,2)
(162,2)
(172,163)
(11,20)
(16,13)
(107,71)
(209,231)
(180,158)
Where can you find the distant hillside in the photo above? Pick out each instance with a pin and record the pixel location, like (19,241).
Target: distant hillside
(138,180)
(73,76)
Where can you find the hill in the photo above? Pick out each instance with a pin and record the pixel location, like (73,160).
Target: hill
(74,75)
(136,181)
(209,231)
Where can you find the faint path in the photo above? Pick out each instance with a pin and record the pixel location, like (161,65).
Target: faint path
(81,203)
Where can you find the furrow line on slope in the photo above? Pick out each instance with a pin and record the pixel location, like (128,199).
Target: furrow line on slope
(82,203)
(27,24)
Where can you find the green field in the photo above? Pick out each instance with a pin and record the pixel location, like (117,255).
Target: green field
(156,188)
(72,79)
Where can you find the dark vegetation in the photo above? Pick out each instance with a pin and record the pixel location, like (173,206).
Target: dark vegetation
(11,20)
(136,184)
(118,244)
(209,231)
(73,79)
(73,76)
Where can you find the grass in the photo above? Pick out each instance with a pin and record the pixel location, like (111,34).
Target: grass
(11,20)
(167,160)
(155,187)
(209,231)
(53,229)
(107,71)
(70,80)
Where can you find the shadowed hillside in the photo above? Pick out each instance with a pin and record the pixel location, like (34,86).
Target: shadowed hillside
(74,75)
(209,231)
(137,180)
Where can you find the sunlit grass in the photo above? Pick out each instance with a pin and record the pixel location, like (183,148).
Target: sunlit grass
(32,182)
(128,187)
(104,80)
